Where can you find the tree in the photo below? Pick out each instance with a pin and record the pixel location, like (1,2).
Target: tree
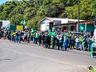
(93,8)
(71,12)
(54,10)
(29,13)
(86,9)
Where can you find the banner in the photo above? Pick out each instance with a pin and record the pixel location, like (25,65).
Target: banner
(19,27)
(12,27)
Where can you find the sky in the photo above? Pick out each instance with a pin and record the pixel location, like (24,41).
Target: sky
(2,1)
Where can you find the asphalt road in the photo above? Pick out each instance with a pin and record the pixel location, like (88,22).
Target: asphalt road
(24,57)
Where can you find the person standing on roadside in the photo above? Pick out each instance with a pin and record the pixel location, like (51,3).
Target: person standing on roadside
(40,39)
(36,37)
(18,37)
(77,42)
(14,36)
(59,40)
(72,43)
(66,43)
(1,34)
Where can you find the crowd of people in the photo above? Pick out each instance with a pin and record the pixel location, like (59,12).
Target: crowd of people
(61,40)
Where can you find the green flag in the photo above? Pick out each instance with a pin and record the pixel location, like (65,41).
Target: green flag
(21,22)
(32,30)
(52,33)
(24,22)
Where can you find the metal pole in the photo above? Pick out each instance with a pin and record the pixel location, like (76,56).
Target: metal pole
(78,15)
(95,22)
(85,27)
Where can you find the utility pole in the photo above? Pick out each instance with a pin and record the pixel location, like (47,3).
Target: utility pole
(78,15)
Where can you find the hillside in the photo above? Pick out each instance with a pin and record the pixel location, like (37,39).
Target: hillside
(34,10)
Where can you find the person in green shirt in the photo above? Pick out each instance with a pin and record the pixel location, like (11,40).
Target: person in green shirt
(36,37)
(14,36)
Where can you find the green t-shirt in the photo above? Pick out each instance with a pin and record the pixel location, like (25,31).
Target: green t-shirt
(52,34)
(37,35)
(81,39)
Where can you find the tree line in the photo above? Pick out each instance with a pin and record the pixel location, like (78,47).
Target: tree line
(34,10)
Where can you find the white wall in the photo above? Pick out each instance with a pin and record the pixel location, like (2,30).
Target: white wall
(45,25)
(5,23)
